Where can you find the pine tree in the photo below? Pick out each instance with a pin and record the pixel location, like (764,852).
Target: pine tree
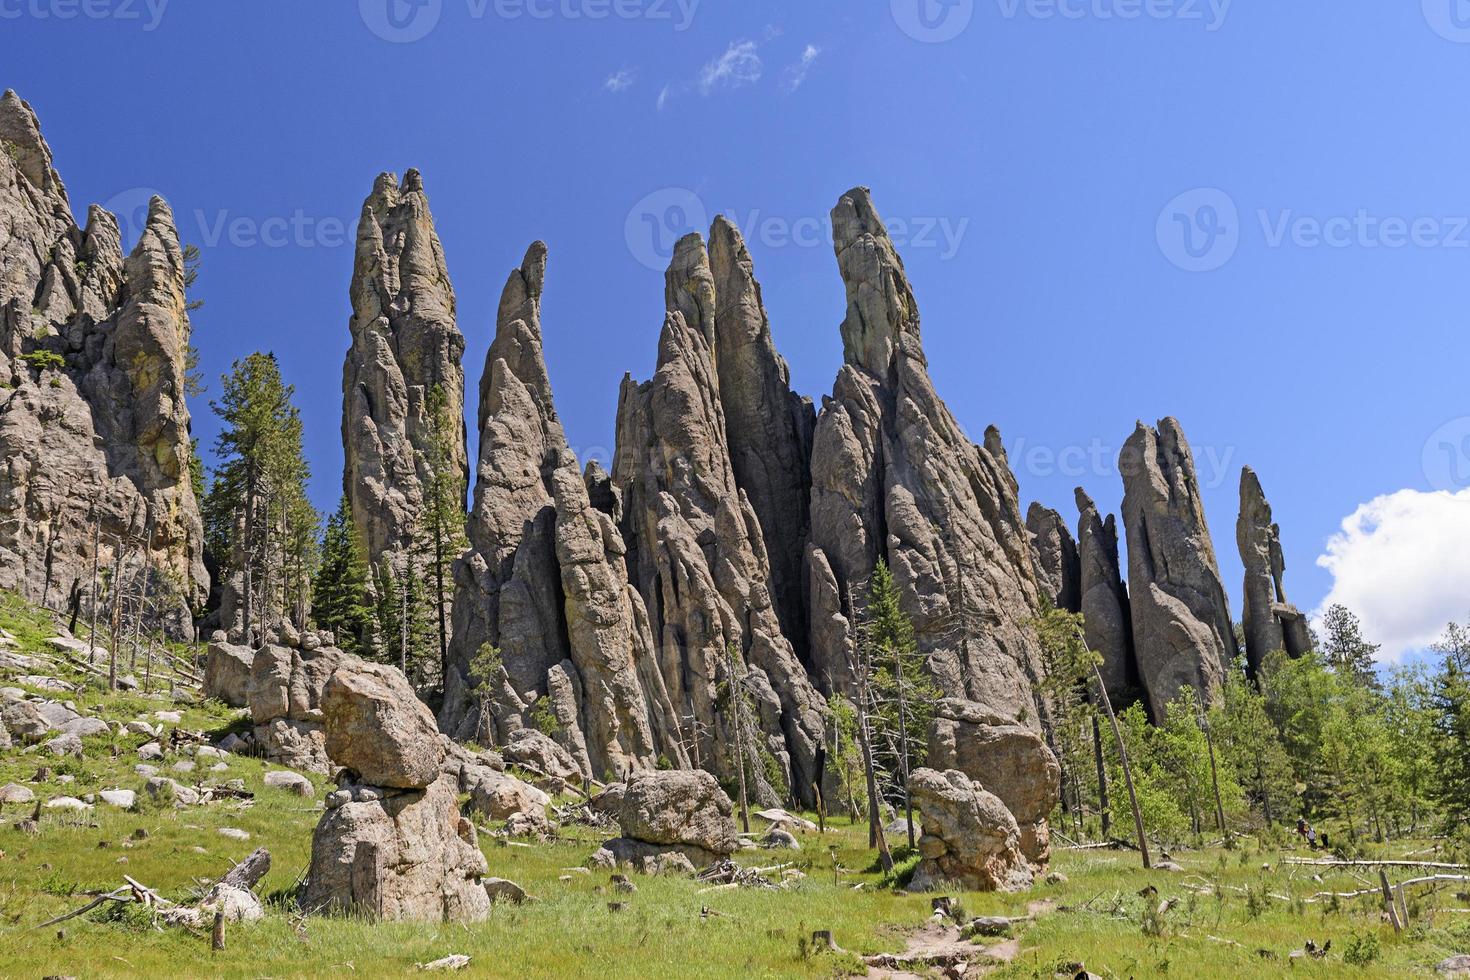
(339,595)
(1345,649)
(260,518)
(1452,747)
(442,522)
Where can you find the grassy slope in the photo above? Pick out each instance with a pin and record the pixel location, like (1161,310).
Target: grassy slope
(571,931)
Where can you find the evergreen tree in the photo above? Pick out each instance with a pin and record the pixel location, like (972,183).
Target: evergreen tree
(1452,746)
(442,522)
(260,517)
(1250,745)
(1345,649)
(339,595)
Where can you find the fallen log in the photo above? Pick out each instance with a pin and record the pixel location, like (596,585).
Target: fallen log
(247,874)
(1333,863)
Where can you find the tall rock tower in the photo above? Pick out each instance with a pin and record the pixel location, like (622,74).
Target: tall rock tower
(1271,622)
(405,354)
(94,429)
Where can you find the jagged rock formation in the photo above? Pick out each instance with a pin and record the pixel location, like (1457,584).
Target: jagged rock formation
(1107,617)
(1054,555)
(508,586)
(697,553)
(285,700)
(1181,618)
(405,345)
(1270,622)
(93,423)
(894,476)
(768,426)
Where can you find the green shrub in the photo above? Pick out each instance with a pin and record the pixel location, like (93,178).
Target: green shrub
(1362,949)
(43,360)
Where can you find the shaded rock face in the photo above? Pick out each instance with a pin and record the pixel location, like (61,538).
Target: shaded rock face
(970,839)
(405,344)
(1107,616)
(668,811)
(285,699)
(407,857)
(894,476)
(93,422)
(1008,760)
(1270,621)
(1054,556)
(508,590)
(1181,619)
(227,673)
(697,554)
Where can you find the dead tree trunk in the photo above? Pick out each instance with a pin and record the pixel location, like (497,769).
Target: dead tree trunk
(1102,781)
(1107,703)
(737,702)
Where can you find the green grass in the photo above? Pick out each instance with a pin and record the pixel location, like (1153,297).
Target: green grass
(1097,917)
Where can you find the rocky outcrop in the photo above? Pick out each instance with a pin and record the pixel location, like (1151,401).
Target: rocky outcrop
(1055,558)
(768,426)
(227,673)
(669,812)
(402,383)
(392,845)
(1182,631)
(970,839)
(285,698)
(1270,622)
(94,429)
(508,590)
(1107,617)
(895,477)
(697,554)
(1008,760)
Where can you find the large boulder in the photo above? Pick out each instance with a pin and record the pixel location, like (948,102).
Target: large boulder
(679,810)
(377,726)
(1008,760)
(227,673)
(970,839)
(499,795)
(284,696)
(535,750)
(24,722)
(404,856)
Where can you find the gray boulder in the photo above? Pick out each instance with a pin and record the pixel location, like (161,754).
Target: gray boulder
(680,810)
(376,726)
(970,840)
(227,673)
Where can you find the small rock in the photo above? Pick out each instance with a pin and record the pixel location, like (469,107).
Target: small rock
(169,717)
(145,770)
(151,751)
(291,782)
(183,765)
(988,925)
(456,961)
(234,833)
(67,803)
(1454,966)
(777,839)
(1167,866)
(16,793)
(206,752)
(64,745)
(86,727)
(1056,878)
(504,890)
(163,789)
(140,728)
(124,799)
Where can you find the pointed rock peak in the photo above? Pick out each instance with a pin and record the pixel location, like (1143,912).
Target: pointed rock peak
(20,132)
(679,340)
(855,218)
(1250,487)
(413,181)
(689,287)
(1084,502)
(385,187)
(882,315)
(724,234)
(520,298)
(533,268)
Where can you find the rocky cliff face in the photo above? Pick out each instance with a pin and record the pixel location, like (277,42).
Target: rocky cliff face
(696,551)
(894,476)
(1271,623)
(94,430)
(1054,555)
(406,347)
(1181,618)
(1107,618)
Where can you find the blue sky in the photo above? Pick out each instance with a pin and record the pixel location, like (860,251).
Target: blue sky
(1249,215)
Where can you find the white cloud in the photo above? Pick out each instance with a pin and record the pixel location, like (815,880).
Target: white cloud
(663,97)
(1400,563)
(797,73)
(739,65)
(621,80)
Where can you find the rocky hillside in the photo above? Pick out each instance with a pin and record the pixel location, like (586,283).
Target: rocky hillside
(94,429)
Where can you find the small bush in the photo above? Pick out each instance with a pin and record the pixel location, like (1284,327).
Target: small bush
(44,360)
(1362,949)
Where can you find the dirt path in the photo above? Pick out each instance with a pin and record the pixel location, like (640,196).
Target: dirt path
(939,946)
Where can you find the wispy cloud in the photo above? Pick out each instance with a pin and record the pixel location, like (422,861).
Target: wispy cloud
(796,74)
(621,80)
(663,96)
(739,65)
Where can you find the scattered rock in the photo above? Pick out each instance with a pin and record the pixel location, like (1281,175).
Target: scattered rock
(1454,966)
(152,751)
(124,799)
(64,745)
(498,795)
(227,670)
(234,833)
(455,961)
(164,790)
(291,782)
(14,793)
(67,803)
(777,839)
(86,727)
(502,890)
